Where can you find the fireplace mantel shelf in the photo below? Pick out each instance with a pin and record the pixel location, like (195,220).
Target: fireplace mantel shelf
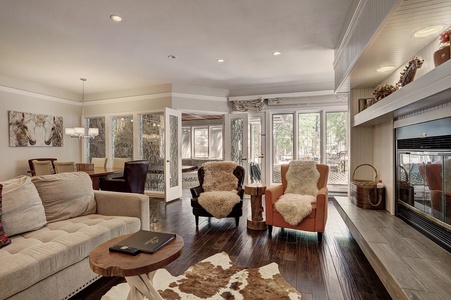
(431,89)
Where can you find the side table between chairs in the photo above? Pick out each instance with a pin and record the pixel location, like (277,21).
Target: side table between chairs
(256,191)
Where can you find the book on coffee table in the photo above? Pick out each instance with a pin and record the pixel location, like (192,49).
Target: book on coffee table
(147,241)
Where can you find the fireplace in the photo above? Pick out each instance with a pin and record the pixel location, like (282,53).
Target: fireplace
(423,178)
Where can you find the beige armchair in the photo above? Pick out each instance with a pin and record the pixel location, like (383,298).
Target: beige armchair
(316,221)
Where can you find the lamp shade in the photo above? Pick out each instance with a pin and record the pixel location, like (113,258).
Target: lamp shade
(79,130)
(70,131)
(93,131)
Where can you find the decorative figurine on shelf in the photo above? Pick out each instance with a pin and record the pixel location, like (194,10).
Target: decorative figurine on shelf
(382,91)
(443,54)
(408,74)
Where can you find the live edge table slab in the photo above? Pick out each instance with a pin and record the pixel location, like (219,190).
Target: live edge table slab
(138,270)
(256,191)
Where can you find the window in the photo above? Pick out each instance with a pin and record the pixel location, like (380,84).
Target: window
(96,146)
(216,142)
(201,142)
(186,142)
(282,125)
(309,141)
(336,150)
(207,142)
(122,132)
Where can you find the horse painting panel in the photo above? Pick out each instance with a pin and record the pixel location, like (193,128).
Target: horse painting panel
(28,129)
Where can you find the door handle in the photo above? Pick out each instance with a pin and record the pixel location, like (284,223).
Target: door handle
(244,158)
(168,161)
(262,156)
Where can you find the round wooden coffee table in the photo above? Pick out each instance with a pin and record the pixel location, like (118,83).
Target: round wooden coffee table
(138,270)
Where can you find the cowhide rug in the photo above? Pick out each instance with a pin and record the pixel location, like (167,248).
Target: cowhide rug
(218,278)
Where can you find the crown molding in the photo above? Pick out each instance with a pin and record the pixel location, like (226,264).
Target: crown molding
(21,92)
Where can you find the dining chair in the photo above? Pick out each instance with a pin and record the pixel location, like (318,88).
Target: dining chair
(42,167)
(99,162)
(133,180)
(65,166)
(31,165)
(118,162)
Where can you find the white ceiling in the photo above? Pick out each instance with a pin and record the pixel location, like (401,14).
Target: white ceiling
(394,44)
(55,43)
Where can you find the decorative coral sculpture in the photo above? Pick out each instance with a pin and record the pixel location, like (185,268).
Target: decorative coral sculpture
(382,91)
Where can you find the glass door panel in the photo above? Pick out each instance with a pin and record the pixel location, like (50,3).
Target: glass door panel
(309,140)
(236,137)
(152,149)
(173,155)
(282,143)
(256,150)
(122,131)
(336,149)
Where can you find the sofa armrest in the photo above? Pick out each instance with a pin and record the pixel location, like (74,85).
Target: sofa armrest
(124,204)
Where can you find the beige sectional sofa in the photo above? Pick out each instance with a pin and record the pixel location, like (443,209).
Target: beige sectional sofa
(54,222)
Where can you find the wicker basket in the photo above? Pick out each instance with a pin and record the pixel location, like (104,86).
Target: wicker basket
(406,191)
(365,194)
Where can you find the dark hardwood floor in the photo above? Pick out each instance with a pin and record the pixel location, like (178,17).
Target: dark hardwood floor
(336,268)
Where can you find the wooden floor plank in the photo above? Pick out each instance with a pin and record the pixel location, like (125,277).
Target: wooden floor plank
(319,271)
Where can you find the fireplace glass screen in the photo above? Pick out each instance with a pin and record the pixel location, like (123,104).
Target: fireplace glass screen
(424,183)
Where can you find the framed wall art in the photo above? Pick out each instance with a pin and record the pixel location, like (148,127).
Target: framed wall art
(34,130)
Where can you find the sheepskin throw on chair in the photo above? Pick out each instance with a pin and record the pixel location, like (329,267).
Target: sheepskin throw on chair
(220,188)
(302,187)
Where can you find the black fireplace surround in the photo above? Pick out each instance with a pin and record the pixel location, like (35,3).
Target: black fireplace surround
(423,178)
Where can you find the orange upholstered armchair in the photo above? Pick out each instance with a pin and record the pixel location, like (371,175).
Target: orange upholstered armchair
(315,221)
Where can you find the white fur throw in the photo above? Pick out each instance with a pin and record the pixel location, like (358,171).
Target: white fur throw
(219,176)
(219,203)
(302,178)
(294,207)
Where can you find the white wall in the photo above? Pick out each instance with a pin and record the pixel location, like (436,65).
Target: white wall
(28,98)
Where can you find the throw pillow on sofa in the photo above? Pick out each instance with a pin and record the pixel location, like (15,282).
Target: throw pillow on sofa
(66,195)
(4,239)
(22,206)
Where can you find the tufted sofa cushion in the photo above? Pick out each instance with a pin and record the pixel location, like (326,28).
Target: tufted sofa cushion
(38,254)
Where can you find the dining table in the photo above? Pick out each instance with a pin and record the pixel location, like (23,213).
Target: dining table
(100,172)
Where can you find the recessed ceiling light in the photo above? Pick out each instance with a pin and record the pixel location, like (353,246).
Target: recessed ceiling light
(171,57)
(220,60)
(385,69)
(276,53)
(428,31)
(116,18)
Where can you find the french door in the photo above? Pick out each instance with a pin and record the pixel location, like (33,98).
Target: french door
(172,154)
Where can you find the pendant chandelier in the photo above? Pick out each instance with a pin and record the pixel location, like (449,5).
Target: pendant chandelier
(80,132)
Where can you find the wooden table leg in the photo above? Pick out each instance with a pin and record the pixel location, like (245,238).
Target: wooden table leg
(141,286)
